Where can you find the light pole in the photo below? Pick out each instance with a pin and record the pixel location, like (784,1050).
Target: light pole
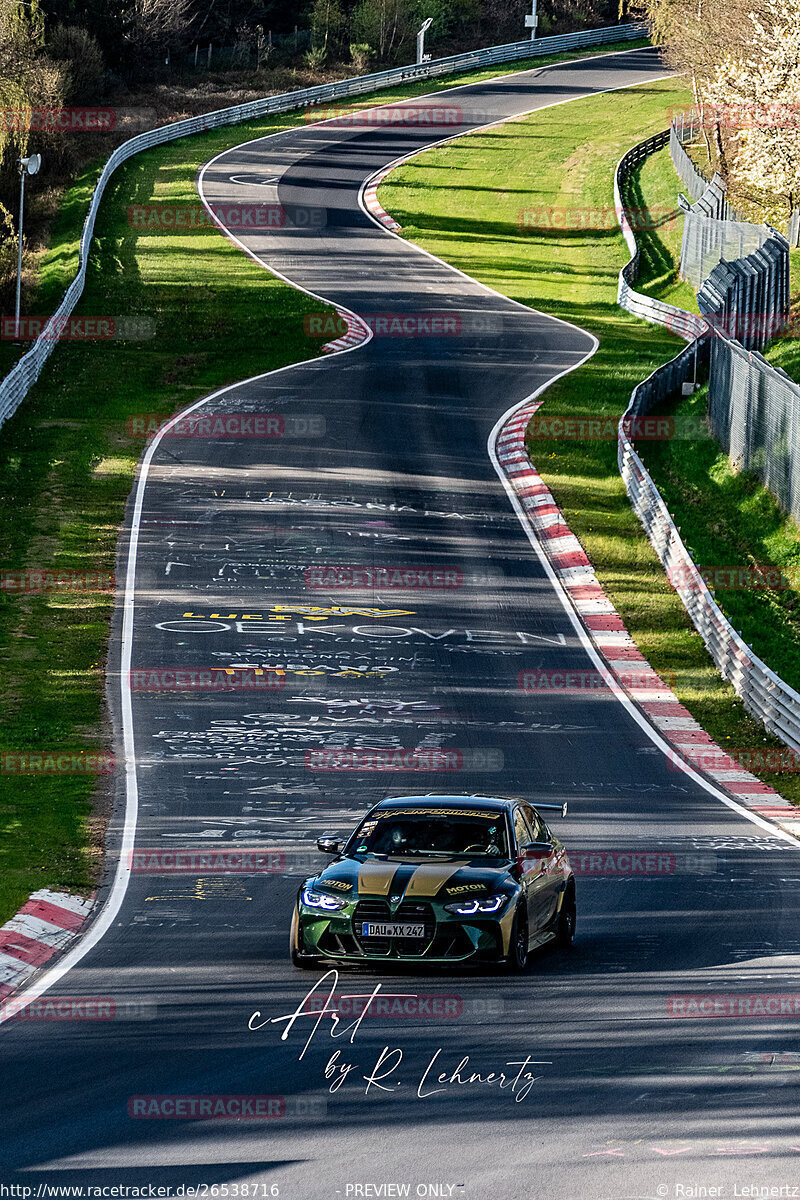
(531,21)
(421,57)
(28,166)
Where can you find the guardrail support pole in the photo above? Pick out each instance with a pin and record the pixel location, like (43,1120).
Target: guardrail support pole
(22,174)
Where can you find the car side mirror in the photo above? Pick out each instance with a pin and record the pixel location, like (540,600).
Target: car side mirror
(329,845)
(537,849)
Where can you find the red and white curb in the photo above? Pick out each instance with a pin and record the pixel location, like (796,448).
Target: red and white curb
(652,695)
(370,195)
(357,332)
(44,926)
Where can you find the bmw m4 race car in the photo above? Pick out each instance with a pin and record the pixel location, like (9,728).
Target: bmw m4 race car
(439,879)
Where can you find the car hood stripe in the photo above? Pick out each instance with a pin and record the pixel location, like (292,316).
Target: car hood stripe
(375,879)
(429,879)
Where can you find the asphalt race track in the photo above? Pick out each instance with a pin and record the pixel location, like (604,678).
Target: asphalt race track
(378,458)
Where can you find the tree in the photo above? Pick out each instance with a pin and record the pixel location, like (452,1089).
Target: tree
(697,35)
(327,25)
(29,81)
(81,56)
(153,27)
(386,25)
(449,17)
(759,91)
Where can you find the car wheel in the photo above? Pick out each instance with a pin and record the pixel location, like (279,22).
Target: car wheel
(517,959)
(565,926)
(304,961)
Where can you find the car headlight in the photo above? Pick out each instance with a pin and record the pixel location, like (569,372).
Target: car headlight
(314,899)
(484,905)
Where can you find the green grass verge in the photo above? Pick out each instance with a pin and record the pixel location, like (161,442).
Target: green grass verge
(653,198)
(462,202)
(66,464)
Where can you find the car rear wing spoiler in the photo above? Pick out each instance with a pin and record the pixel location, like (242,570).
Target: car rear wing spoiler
(559,808)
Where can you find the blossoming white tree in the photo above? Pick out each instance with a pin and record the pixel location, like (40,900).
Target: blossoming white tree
(758,94)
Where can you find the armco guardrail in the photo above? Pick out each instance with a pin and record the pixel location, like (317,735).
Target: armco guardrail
(764,694)
(688,325)
(15,387)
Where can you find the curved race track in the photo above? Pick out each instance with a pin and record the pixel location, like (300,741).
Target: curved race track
(383,461)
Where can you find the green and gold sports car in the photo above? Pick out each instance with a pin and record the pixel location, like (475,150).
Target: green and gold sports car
(438,879)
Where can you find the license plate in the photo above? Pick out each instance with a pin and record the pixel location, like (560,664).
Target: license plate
(383,929)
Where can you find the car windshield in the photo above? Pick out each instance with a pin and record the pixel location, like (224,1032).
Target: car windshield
(443,833)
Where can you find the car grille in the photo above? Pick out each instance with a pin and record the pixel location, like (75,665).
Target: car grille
(380,910)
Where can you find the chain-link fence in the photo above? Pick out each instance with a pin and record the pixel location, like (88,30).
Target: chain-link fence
(707,242)
(748,299)
(683,130)
(712,230)
(754,412)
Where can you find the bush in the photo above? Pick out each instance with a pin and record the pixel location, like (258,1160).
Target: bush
(361,53)
(82,57)
(8,259)
(315,57)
